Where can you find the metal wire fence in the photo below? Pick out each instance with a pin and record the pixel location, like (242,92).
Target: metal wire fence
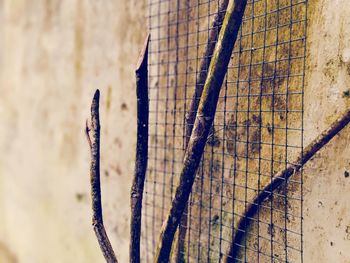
(257,131)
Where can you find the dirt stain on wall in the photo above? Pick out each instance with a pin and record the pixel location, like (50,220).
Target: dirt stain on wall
(6,255)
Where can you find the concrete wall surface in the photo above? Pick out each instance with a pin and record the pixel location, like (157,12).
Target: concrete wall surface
(54,54)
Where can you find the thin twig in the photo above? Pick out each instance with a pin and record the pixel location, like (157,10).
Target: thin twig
(94,144)
(141,154)
(202,125)
(280,178)
(191,115)
(204,65)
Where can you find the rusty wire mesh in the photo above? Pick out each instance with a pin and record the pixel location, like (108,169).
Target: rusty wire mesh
(257,131)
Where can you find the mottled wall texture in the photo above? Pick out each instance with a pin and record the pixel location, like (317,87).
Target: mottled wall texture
(53,55)
(268,88)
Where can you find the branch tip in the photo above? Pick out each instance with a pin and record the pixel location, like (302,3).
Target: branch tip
(97,95)
(143,55)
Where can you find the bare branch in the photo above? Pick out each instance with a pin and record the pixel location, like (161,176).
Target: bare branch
(94,143)
(204,65)
(141,154)
(280,178)
(190,117)
(202,125)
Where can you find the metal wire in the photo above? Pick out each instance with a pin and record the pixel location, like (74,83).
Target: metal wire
(257,131)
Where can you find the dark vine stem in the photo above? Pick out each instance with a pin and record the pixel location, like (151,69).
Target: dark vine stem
(281,177)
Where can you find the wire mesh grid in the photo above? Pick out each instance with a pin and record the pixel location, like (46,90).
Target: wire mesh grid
(257,131)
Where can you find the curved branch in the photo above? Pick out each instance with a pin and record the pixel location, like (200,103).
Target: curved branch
(97,218)
(279,179)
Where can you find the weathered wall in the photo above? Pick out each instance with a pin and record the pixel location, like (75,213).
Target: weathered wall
(326,96)
(325,178)
(327,186)
(54,54)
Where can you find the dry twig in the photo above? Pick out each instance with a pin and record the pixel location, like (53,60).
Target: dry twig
(94,143)
(281,178)
(141,154)
(202,125)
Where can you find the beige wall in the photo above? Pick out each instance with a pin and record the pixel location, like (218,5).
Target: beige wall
(326,189)
(54,54)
